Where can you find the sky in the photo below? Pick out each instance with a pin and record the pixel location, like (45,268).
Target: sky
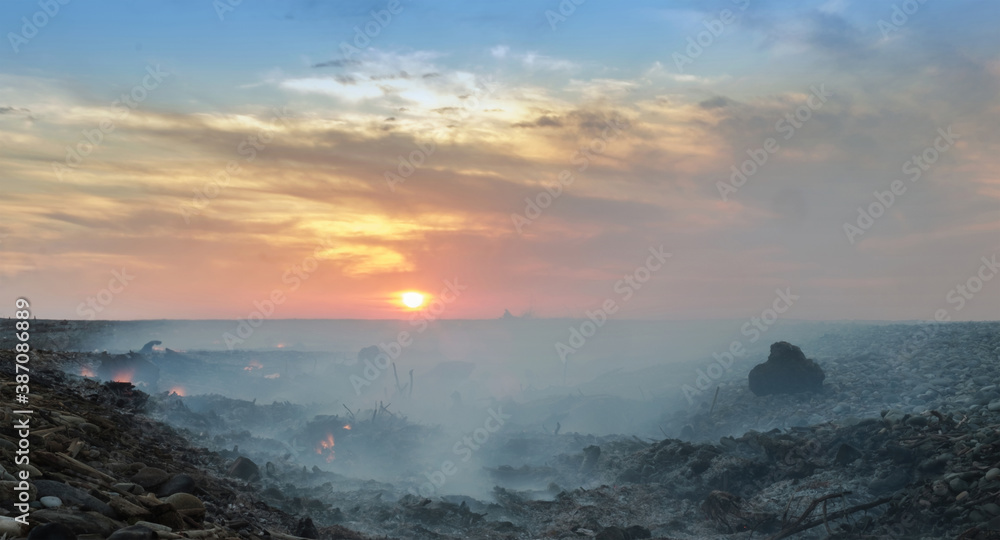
(669,160)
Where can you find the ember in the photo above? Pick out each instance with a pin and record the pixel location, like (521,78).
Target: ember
(87,372)
(177,391)
(124,376)
(326,447)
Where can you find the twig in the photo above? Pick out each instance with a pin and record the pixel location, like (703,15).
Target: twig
(717,388)
(398,389)
(350,412)
(411,383)
(785,533)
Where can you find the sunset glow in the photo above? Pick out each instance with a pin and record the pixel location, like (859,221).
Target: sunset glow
(504,145)
(413,300)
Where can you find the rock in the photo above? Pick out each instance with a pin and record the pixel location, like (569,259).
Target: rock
(79,522)
(10,527)
(895,480)
(148,347)
(994,405)
(52,531)
(244,468)
(73,496)
(786,371)
(637,532)
(150,477)
(179,483)
(846,454)
(189,505)
(305,528)
(958,485)
(134,532)
(611,533)
(50,501)
(992,474)
(8,493)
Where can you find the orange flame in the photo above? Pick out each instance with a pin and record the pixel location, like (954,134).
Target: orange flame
(280,345)
(87,372)
(347,427)
(177,390)
(326,447)
(123,376)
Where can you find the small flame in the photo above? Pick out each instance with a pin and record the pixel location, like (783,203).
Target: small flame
(253,365)
(87,372)
(326,447)
(347,427)
(280,345)
(123,376)
(178,391)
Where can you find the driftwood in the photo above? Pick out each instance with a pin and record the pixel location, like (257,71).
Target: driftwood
(799,526)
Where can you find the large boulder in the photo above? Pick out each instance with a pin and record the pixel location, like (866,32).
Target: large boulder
(787,371)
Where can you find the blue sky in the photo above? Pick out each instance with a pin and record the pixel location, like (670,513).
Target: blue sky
(507,101)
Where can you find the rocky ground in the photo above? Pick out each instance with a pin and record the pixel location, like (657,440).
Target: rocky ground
(902,442)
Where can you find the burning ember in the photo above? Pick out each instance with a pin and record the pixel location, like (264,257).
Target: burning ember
(326,447)
(253,365)
(125,375)
(347,427)
(87,372)
(178,391)
(280,345)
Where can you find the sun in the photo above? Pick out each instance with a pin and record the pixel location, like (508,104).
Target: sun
(413,300)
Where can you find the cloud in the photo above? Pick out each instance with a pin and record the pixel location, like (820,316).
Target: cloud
(337,63)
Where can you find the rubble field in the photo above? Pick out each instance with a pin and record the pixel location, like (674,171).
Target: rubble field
(894,446)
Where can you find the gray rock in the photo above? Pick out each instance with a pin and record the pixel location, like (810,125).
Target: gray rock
(135,532)
(958,485)
(50,501)
(78,522)
(786,371)
(179,483)
(52,531)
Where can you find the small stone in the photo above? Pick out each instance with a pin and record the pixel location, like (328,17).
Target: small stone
(894,416)
(10,527)
(244,468)
(846,454)
(179,483)
(939,488)
(991,508)
(150,477)
(992,474)
(135,532)
(50,501)
(961,496)
(188,505)
(958,485)
(994,405)
(52,531)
